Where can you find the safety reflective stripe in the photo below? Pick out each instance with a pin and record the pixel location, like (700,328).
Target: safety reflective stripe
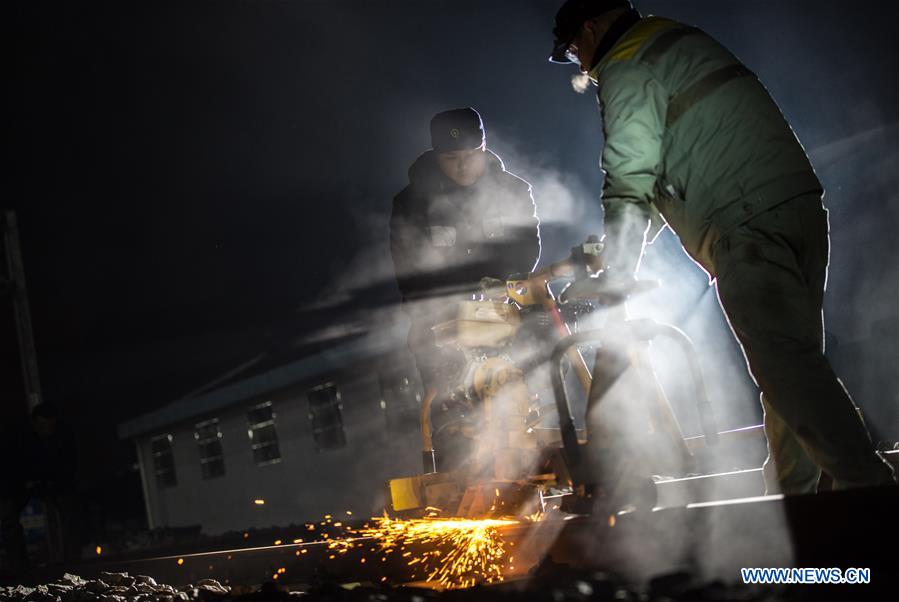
(681,103)
(633,40)
(665,41)
(701,88)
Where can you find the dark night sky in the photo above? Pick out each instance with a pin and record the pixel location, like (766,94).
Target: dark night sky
(188,174)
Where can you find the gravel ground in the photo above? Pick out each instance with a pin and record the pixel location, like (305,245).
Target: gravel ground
(121,587)
(114,587)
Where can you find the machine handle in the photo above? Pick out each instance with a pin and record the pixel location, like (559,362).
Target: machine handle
(428,458)
(649,329)
(641,329)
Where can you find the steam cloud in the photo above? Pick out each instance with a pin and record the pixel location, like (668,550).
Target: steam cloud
(580,82)
(684,299)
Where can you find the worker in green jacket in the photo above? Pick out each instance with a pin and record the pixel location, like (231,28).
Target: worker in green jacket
(694,142)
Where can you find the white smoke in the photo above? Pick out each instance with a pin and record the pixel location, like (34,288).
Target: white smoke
(566,205)
(580,82)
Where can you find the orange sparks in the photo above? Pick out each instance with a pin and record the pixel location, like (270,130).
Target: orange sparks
(458,552)
(99,550)
(259,502)
(180,561)
(277,542)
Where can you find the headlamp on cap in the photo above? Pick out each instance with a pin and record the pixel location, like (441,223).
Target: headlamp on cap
(569,20)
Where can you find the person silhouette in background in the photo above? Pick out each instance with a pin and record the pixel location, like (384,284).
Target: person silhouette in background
(40,462)
(461,218)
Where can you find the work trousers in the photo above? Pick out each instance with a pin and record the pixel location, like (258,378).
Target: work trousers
(436,365)
(771,274)
(441,369)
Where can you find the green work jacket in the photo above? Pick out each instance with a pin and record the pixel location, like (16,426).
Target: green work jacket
(692,138)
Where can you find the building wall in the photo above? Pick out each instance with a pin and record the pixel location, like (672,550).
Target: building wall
(305,484)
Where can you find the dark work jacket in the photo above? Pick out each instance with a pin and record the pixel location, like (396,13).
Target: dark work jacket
(444,238)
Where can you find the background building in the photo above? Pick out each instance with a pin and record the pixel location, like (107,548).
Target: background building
(275,442)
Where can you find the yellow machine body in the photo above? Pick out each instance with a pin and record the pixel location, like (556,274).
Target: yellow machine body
(504,450)
(479,324)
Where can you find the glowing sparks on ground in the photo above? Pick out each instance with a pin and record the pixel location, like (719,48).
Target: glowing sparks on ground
(455,553)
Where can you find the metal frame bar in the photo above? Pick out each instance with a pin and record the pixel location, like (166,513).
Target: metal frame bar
(645,330)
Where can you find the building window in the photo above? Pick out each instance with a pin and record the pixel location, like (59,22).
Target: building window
(325,414)
(263,438)
(209,443)
(163,461)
